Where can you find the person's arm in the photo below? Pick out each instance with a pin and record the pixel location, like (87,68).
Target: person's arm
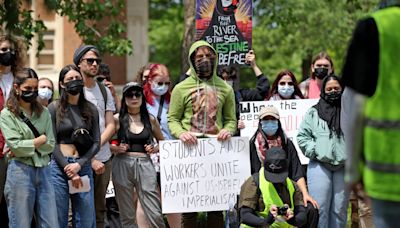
(352,117)
(18,145)
(47,147)
(175,113)
(262,85)
(305,138)
(229,113)
(114,94)
(58,156)
(95,129)
(300,217)
(257,94)
(156,128)
(300,213)
(250,218)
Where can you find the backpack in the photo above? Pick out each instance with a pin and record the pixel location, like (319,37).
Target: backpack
(103,92)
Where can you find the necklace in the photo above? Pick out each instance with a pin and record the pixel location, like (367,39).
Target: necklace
(133,119)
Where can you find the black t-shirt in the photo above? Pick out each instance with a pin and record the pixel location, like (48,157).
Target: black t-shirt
(361,69)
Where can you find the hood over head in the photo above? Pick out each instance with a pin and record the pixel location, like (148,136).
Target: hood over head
(192,52)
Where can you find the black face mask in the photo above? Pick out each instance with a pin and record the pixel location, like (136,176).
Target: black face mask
(7,58)
(74,87)
(321,72)
(333,97)
(204,68)
(29,96)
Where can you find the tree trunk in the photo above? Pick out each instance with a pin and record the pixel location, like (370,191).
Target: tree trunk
(189,32)
(306,66)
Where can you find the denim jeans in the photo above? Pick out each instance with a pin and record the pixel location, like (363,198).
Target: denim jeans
(385,213)
(29,190)
(83,213)
(328,189)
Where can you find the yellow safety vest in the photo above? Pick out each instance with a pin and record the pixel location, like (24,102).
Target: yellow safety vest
(270,197)
(381,172)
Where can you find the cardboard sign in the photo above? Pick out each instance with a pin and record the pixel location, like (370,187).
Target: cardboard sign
(227,26)
(202,177)
(291,114)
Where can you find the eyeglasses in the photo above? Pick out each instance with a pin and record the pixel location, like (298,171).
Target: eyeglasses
(136,94)
(163,83)
(90,61)
(286,83)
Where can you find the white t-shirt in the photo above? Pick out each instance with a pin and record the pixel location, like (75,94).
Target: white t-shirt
(6,83)
(94,96)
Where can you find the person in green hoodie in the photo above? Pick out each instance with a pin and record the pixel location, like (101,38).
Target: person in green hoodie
(202,105)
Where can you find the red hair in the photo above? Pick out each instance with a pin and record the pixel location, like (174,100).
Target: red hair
(155,70)
(274,87)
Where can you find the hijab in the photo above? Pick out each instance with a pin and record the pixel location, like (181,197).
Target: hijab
(330,110)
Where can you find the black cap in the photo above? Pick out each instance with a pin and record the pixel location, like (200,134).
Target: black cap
(276,165)
(131,85)
(81,51)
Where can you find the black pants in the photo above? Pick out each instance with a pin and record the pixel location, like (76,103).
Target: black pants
(312,217)
(112,219)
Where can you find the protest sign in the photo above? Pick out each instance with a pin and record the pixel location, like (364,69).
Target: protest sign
(227,26)
(202,177)
(291,114)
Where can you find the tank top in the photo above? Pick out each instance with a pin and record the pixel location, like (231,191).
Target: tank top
(136,142)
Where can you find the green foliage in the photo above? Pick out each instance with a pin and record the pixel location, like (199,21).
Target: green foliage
(165,34)
(85,15)
(287,33)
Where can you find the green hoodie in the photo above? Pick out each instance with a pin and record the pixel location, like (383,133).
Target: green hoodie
(203,107)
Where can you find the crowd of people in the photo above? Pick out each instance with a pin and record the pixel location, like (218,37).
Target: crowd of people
(58,155)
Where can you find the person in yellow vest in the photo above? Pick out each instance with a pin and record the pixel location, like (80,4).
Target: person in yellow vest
(372,76)
(270,198)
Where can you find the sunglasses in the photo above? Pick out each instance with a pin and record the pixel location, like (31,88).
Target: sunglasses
(163,83)
(90,61)
(286,83)
(4,49)
(132,94)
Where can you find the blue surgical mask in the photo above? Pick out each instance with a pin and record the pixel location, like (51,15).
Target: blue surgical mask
(270,127)
(285,91)
(159,90)
(45,93)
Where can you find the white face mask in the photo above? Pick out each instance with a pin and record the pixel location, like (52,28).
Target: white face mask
(159,90)
(45,93)
(285,91)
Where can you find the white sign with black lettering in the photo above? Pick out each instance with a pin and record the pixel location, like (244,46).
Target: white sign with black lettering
(202,177)
(291,113)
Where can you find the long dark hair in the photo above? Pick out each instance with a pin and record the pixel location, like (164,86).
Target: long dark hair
(274,88)
(124,116)
(13,101)
(83,104)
